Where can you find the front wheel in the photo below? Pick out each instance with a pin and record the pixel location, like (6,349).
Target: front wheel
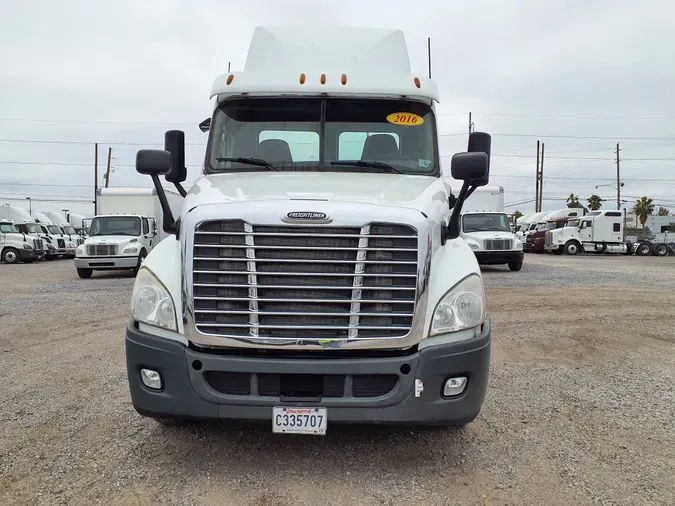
(85,273)
(572,248)
(10,255)
(516,265)
(141,258)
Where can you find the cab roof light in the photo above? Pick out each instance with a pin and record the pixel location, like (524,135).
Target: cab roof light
(417,82)
(323,78)
(230,78)
(344,79)
(303,77)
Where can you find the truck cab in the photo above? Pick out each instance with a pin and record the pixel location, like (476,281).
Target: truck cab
(26,226)
(598,232)
(315,273)
(490,237)
(15,246)
(58,238)
(115,242)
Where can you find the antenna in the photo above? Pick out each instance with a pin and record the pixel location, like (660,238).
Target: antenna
(429,54)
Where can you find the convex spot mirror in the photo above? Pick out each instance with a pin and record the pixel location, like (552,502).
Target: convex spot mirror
(153,162)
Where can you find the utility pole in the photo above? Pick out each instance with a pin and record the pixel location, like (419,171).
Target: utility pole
(536,184)
(228,67)
(470,124)
(429,54)
(618,177)
(107,171)
(541,178)
(95,177)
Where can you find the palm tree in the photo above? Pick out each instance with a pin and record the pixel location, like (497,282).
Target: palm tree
(643,208)
(573,202)
(663,212)
(595,202)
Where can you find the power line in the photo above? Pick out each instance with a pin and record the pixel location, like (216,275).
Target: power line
(562,116)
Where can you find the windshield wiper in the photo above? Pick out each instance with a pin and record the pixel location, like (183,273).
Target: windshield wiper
(258,162)
(363,163)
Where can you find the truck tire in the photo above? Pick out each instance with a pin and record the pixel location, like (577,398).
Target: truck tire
(572,248)
(10,255)
(516,265)
(141,257)
(660,250)
(85,273)
(643,249)
(559,251)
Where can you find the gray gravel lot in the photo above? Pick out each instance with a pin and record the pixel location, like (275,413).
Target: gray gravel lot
(580,409)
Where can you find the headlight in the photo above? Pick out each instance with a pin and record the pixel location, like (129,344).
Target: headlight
(474,246)
(72,245)
(463,307)
(49,246)
(151,302)
(79,251)
(27,246)
(130,250)
(519,244)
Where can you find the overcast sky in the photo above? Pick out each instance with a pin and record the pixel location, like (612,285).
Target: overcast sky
(578,75)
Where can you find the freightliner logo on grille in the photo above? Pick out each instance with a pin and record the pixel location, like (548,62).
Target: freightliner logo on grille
(306,215)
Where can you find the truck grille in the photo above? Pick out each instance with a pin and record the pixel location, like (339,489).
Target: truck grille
(37,244)
(548,237)
(60,243)
(80,241)
(101,249)
(312,282)
(498,244)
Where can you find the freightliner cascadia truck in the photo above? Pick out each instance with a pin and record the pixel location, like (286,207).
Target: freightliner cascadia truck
(315,274)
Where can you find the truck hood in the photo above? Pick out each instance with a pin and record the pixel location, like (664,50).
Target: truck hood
(396,190)
(491,234)
(109,239)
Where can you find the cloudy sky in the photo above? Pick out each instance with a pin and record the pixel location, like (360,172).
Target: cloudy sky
(578,75)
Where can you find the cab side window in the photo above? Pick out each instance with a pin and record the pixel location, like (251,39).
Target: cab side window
(146,227)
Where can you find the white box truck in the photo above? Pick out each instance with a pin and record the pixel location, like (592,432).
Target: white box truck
(486,228)
(124,230)
(315,274)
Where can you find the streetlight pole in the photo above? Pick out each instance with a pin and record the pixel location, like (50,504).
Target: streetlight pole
(30,205)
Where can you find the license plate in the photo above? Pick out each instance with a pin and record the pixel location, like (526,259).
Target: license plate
(291,420)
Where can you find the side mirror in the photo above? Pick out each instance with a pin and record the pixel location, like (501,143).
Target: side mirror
(480,142)
(174,143)
(469,166)
(205,125)
(153,162)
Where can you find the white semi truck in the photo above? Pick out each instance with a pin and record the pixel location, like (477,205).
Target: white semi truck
(65,246)
(14,245)
(26,225)
(315,273)
(598,231)
(487,229)
(63,224)
(124,230)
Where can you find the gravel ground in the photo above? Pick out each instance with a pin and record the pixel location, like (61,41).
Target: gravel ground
(580,407)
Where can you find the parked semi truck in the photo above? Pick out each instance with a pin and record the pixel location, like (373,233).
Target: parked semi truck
(487,230)
(15,246)
(26,225)
(124,230)
(598,231)
(69,231)
(65,245)
(315,273)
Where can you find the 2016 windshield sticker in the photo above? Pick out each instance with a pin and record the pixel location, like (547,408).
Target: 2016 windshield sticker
(405,119)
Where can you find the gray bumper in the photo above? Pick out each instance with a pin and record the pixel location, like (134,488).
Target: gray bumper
(106,263)
(212,386)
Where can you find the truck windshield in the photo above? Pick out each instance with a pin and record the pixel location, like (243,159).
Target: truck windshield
(69,230)
(54,229)
(115,225)
(479,222)
(33,228)
(7,228)
(334,134)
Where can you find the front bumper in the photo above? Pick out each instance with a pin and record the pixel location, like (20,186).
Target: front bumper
(27,254)
(106,263)
(212,386)
(498,257)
